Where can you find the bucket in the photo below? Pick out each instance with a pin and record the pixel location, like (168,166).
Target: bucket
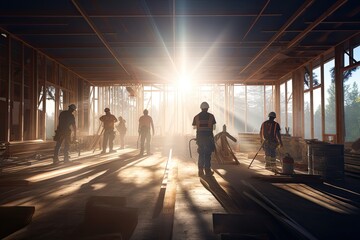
(288,164)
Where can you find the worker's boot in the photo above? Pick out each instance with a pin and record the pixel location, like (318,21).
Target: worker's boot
(267,162)
(66,158)
(55,159)
(273,164)
(208,172)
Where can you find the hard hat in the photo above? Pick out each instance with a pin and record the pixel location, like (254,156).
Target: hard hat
(107,110)
(146,112)
(272,114)
(72,107)
(204,105)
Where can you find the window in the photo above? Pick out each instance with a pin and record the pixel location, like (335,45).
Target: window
(317,119)
(255,108)
(312,101)
(29,85)
(286,100)
(307,116)
(351,80)
(251,106)
(240,107)
(306,78)
(289,105)
(50,112)
(329,97)
(16,91)
(282,116)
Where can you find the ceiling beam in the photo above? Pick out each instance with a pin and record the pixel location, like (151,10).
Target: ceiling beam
(99,34)
(16,15)
(256,19)
(279,33)
(300,36)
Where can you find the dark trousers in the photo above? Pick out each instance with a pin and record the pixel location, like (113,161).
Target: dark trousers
(270,146)
(145,136)
(66,138)
(205,148)
(109,136)
(204,160)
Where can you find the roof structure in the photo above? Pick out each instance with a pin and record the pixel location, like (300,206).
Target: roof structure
(111,42)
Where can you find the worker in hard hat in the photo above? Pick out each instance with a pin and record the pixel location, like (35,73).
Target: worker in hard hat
(145,125)
(109,121)
(66,123)
(271,139)
(205,123)
(121,127)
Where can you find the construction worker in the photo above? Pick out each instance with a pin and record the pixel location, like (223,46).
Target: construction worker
(121,127)
(145,123)
(204,123)
(63,132)
(270,139)
(109,121)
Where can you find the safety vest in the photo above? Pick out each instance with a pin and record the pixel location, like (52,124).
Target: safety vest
(268,129)
(204,124)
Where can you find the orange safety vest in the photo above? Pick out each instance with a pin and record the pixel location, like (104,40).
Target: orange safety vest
(268,129)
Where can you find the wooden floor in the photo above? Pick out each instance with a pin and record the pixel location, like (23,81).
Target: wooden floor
(172,201)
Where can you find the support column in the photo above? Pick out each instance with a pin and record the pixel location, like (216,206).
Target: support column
(298,103)
(339,95)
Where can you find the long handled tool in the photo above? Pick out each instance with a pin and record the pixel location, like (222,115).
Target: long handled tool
(262,144)
(193,139)
(95,136)
(97,139)
(137,142)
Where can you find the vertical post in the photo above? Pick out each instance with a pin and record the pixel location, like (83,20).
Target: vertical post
(322,97)
(21,111)
(277,99)
(311,90)
(43,137)
(246,108)
(298,103)
(339,95)
(8,119)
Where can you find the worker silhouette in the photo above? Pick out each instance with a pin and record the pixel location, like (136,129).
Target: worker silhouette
(121,127)
(204,122)
(270,139)
(63,132)
(145,125)
(109,121)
